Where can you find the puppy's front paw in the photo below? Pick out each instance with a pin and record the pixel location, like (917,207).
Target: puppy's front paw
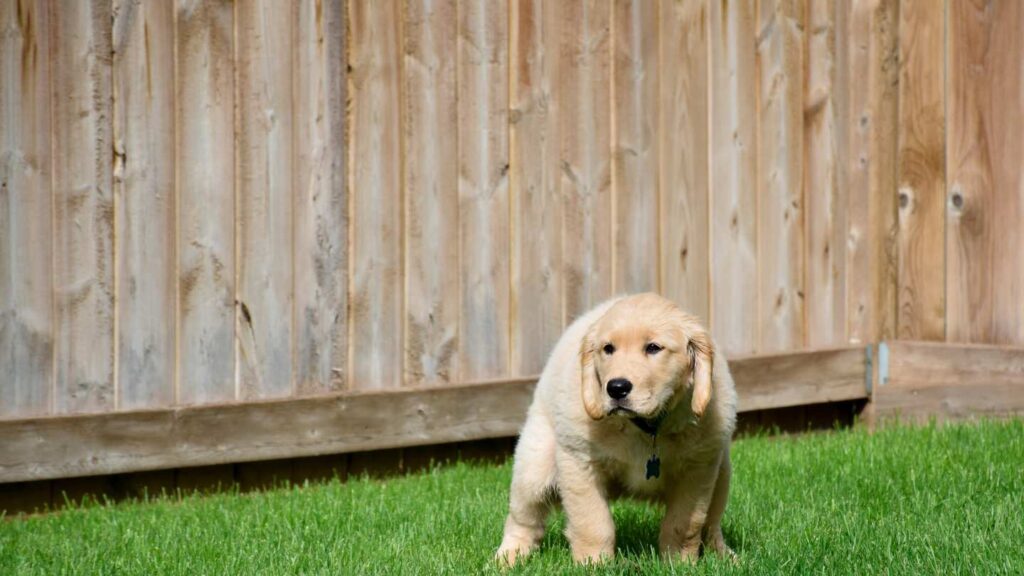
(684,555)
(592,556)
(592,548)
(511,552)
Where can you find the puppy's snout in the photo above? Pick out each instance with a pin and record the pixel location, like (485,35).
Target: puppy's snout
(619,388)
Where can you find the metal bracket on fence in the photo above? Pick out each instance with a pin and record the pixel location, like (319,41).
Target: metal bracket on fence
(883,363)
(868,362)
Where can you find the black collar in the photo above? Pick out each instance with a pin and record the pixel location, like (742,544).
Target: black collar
(649,427)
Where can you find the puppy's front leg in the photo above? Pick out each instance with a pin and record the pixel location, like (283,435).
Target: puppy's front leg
(591,531)
(687,512)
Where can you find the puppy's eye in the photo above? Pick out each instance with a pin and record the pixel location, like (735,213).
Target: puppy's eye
(652,349)
(609,349)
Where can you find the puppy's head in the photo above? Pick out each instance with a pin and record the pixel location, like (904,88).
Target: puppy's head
(640,358)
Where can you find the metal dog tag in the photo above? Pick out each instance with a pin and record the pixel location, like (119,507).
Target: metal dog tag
(653,467)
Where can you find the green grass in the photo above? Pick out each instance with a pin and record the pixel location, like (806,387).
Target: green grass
(933,500)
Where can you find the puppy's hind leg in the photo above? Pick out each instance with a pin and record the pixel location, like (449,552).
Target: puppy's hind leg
(533,482)
(713,539)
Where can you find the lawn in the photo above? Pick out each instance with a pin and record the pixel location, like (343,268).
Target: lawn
(932,500)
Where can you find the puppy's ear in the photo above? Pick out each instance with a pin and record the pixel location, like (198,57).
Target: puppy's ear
(590,386)
(702,357)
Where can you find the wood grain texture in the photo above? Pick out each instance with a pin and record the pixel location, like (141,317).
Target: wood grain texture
(683,149)
(483,189)
(825,230)
(144,189)
(985,270)
(82,123)
(205,110)
(26,202)
(44,448)
(635,145)
(871,119)
(430,165)
(780,150)
(922,172)
(584,128)
(321,196)
(929,380)
(205,435)
(795,379)
(375,179)
(733,142)
(534,177)
(263,180)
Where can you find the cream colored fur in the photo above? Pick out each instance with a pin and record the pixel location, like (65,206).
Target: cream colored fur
(576,448)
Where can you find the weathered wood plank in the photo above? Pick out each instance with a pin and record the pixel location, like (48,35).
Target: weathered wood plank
(429,130)
(205,158)
(984,285)
(267,430)
(321,197)
(780,175)
(534,166)
(83,205)
(55,447)
(585,124)
(26,202)
(683,149)
(825,234)
(375,172)
(733,130)
(871,170)
(483,188)
(263,180)
(950,382)
(922,172)
(144,189)
(635,145)
(798,378)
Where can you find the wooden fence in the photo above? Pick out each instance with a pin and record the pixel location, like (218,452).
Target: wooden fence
(206,202)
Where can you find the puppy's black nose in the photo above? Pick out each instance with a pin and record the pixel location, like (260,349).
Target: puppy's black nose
(619,388)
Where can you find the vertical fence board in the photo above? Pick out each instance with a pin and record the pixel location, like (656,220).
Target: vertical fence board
(84,206)
(780,174)
(375,168)
(733,135)
(843,128)
(431,189)
(321,202)
(922,172)
(985,274)
(635,144)
(533,180)
(825,303)
(585,73)
(263,176)
(871,170)
(683,148)
(26,241)
(204,104)
(143,41)
(483,188)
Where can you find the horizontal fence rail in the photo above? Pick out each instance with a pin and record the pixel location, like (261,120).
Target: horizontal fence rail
(54,447)
(922,381)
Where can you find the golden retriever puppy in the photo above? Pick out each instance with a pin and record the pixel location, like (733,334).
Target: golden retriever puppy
(633,401)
